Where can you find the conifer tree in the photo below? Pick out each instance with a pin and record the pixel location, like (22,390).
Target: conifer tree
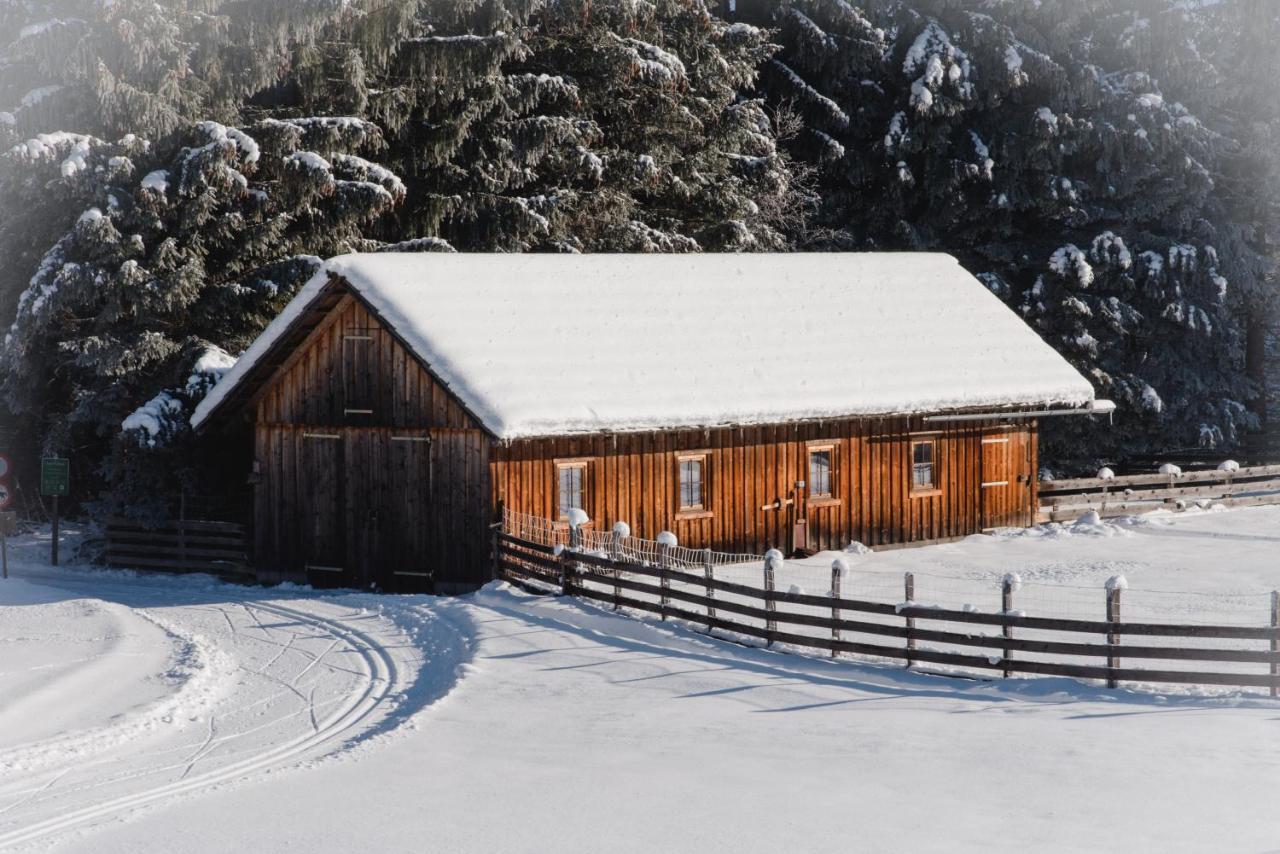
(178,255)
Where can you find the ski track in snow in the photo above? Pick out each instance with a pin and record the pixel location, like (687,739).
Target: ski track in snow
(259,681)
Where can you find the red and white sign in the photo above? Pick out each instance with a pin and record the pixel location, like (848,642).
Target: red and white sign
(6,496)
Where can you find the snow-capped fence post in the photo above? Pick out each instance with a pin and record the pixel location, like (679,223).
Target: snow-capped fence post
(1115,585)
(1275,643)
(909,588)
(1006,608)
(772,563)
(666,542)
(838,568)
(577,518)
(709,571)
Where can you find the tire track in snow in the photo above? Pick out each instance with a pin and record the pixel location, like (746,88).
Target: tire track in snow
(381,680)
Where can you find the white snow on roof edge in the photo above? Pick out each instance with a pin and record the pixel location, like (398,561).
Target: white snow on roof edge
(539,345)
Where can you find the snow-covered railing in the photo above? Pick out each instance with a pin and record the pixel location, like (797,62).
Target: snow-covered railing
(1005,640)
(1170,487)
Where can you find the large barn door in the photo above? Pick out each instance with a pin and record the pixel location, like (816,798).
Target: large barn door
(388,488)
(322,505)
(1006,478)
(406,518)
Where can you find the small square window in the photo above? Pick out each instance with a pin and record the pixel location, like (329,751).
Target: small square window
(822,471)
(692,482)
(924,472)
(571,481)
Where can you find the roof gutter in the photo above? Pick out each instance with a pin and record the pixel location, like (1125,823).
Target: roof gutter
(1093,407)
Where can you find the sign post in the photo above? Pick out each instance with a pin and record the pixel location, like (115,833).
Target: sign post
(55,481)
(8,527)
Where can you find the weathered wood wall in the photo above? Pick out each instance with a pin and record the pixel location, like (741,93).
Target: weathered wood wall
(368,471)
(634,478)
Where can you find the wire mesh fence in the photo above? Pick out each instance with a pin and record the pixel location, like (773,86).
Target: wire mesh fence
(617,544)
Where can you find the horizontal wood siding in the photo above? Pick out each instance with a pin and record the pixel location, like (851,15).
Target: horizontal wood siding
(634,478)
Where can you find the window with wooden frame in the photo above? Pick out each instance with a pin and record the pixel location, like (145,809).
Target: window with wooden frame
(692,484)
(924,466)
(822,471)
(571,487)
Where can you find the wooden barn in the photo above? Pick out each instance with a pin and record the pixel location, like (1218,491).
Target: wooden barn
(743,402)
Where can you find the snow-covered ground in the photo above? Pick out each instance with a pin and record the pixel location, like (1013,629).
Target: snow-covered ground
(161,714)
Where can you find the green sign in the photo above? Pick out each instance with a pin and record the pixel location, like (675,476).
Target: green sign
(55,476)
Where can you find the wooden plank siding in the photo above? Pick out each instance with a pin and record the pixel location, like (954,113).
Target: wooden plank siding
(634,478)
(368,472)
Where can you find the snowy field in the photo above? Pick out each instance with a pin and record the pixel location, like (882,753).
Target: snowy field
(163,714)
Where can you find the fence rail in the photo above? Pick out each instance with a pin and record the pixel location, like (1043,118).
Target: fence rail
(902,631)
(1064,500)
(183,545)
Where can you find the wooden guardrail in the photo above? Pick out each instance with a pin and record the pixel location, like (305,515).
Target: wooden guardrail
(180,545)
(1064,500)
(602,579)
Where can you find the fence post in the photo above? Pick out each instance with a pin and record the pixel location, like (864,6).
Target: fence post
(1010,583)
(838,568)
(772,561)
(497,551)
(1115,584)
(182,529)
(1275,643)
(620,530)
(708,571)
(909,588)
(666,541)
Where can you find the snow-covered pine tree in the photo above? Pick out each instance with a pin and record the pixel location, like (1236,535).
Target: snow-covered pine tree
(125,71)
(1151,328)
(1000,134)
(572,126)
(176,253)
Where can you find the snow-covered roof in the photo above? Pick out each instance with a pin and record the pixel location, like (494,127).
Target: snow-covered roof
(550,344)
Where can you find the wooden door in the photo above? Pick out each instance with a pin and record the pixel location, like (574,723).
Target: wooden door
(1006,479)
(322,507)
(406,517)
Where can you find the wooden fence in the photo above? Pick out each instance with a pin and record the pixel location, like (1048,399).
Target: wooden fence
(183,545)
(1064,500)
(849,626)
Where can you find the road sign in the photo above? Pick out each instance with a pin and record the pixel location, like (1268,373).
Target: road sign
(55,476)
(6,496)
(4,466)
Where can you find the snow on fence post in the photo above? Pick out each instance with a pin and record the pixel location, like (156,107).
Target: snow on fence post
(1105,475)
(909,588)
(772,563)
(838,568)
(666,542)
(1115,584)
(709,571)
(1229,469)
(1275,643)
(1008,585)
(621,530)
